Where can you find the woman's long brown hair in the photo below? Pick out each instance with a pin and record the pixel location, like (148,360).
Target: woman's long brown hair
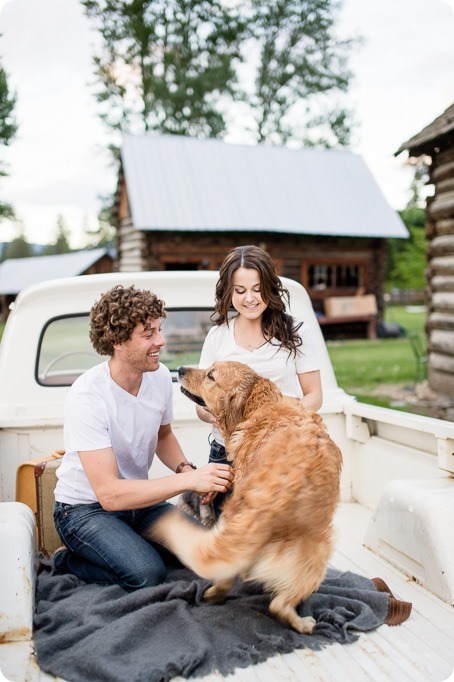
(276,323)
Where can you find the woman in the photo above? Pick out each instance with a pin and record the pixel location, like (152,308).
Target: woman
(261,335)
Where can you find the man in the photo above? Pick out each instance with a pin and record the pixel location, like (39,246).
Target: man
(117,415)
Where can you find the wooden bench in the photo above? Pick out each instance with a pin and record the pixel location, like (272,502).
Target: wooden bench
(349,312)
(369,321)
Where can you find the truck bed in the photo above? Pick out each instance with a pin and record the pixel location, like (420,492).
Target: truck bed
(398,464)
(419,650)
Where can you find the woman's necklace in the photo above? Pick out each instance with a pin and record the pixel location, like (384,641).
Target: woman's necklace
(250,341)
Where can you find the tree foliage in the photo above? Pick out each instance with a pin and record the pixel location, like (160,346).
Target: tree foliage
(61,239)
(407,257)
(104,235)
(176,66)
(164,64)
(8,129)
(407,260)
(302,71)
(19,247)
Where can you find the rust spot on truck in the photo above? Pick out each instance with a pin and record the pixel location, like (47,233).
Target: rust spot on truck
(15,635)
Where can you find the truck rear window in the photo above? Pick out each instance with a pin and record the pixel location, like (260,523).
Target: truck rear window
(65,350)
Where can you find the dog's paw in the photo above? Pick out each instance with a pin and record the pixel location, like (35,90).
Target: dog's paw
(305,625)
(215,595)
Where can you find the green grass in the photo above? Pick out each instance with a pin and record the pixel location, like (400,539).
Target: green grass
(362,366)
(411,318)
(2,327)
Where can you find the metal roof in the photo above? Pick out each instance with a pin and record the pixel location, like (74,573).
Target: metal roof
(188,184)
(18,273)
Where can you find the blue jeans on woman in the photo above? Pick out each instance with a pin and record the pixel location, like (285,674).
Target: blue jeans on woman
(108,547)
(218,455)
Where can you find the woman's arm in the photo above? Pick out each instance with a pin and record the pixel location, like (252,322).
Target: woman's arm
(311,385)
(205,415)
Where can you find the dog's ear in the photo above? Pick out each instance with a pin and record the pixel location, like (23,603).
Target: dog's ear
(262,391)
(252,393)
(233,413)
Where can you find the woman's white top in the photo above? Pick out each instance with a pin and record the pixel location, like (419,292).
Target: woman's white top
(269,360)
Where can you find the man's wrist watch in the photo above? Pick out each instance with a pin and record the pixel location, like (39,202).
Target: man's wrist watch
(181,465)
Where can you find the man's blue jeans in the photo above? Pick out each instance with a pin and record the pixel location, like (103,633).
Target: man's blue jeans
(108,547)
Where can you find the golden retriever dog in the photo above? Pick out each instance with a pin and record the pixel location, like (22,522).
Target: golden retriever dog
(276,527)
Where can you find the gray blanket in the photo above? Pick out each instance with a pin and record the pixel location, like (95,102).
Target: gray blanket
(91,633)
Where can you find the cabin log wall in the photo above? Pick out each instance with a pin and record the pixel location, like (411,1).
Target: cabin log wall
(156,250)
(440,274)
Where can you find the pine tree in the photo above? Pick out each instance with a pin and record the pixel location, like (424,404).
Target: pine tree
(61,239)
(19,247)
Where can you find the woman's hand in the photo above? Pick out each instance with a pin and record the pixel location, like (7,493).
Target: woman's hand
(205,415)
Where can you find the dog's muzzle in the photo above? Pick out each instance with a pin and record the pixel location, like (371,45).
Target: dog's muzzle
(195,398)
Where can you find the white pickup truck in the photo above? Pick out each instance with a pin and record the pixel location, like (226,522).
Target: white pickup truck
(395,519)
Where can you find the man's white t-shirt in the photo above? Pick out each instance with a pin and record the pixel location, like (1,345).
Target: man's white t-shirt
(269,360)
(98,414)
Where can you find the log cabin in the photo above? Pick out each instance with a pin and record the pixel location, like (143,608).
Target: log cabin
(182,203)
(436,143)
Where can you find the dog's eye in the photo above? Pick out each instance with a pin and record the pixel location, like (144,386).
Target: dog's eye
(210,376)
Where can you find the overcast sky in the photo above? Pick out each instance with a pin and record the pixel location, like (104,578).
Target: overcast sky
(404,78)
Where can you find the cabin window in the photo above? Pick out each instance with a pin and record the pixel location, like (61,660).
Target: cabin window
(337,276)
(324,277)
(65,350)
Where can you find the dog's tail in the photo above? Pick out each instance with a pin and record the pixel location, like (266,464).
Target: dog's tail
(203,551)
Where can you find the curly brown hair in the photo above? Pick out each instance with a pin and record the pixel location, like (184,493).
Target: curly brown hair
(114,317)
(276,323)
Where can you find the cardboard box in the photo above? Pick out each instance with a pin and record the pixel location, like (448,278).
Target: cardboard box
(339,306)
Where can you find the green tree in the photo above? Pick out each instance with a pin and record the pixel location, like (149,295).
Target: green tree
(174,67)
(407,257)
(104,234)
(407,261)
(165,65)
(61,239)
(19,247)
(420,178)
(302,73)
(8,129)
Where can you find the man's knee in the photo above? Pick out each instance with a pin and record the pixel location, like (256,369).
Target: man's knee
(148,576)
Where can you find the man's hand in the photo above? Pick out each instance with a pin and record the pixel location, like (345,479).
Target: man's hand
(211,478)
(208,498)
